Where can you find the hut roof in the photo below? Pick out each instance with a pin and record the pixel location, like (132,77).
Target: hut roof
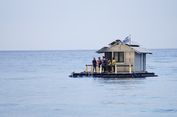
(141,50)
(103,49)
(112,48)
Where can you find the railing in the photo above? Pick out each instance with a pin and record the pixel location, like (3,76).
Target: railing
(116,68)
(123,68)
(89,68)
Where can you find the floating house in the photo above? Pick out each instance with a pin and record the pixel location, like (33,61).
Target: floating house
(130,61)
(129,57)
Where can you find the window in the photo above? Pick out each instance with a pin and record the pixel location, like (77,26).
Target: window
(119,56)
(108,55)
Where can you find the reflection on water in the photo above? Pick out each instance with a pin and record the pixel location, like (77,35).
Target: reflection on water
(121,81)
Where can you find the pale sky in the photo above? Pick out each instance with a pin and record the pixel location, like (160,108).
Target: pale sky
(86,24)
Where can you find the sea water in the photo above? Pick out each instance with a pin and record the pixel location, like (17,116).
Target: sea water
(36,84)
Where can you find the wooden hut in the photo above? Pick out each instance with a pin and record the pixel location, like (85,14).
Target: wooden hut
(129,57)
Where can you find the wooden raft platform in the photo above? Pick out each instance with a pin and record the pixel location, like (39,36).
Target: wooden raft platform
(113,75)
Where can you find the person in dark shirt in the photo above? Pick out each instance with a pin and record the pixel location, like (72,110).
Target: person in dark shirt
(99,62)
(104,64)
(94,64)
(109,65)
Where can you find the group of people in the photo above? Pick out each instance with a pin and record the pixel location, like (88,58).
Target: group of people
(104,64)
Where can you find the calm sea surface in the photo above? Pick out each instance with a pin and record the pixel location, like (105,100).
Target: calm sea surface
(36,84)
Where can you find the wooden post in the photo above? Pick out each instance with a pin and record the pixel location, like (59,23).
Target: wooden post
(86,68)
(91,69)
(115,68)
(100,68)
(130,68)
(97,69)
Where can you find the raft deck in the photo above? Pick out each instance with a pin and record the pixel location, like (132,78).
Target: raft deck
(113,75)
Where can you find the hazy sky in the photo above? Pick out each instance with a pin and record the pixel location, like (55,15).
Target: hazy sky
(86,24)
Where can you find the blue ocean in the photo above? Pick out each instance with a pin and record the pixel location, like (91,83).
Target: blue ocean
(37,84)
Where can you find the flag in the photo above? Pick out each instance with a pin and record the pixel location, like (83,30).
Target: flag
(127,40)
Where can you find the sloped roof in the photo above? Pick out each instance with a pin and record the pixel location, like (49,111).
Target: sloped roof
(141,50)
(113,47)
(103,49)
(136,49)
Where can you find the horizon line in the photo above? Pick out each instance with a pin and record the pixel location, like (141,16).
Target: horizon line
(70,49)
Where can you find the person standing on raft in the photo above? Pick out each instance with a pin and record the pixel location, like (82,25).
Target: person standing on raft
(94,64)
(113,64)
(99,62)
